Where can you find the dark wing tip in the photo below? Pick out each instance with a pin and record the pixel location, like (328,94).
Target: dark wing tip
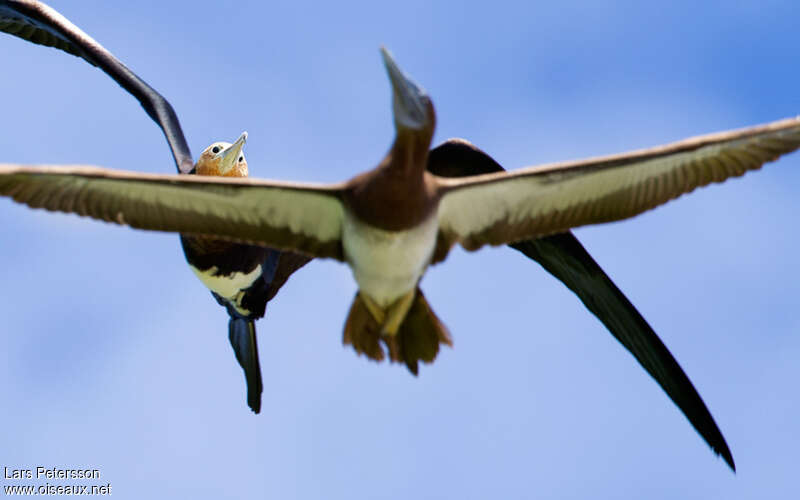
(725,453)
(254,401)
(563,256)
(39,23)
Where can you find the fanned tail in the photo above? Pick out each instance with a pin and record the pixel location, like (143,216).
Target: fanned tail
(242,334)
(361,330)
(417,338)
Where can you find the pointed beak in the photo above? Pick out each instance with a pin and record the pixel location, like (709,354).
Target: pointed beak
(410,108)
(230,155)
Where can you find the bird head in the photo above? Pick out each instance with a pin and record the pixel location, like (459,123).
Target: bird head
(223,159)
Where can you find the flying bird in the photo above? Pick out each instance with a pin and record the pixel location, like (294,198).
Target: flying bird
(597,188)
(242,278)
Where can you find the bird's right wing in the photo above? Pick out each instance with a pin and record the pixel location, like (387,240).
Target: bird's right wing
(39,23)
(305,218)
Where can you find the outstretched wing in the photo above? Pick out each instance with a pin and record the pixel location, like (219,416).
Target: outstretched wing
(507,207)
(304,218)
(563,256)
(39,23)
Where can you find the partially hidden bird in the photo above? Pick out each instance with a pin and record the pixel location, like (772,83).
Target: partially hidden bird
(242,278)
(389,224)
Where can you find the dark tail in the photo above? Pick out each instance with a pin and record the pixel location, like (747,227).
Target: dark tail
(417,339)
(242,334)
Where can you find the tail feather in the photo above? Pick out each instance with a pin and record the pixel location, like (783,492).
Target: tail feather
(420,335)
(417,339)
(361,331)
(242,334)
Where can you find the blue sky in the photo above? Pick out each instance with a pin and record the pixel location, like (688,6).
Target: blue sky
(115,356)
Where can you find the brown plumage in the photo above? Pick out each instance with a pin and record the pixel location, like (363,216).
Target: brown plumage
(398,194)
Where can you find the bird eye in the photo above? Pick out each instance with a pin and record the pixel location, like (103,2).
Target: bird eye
(241,159)
(215,150)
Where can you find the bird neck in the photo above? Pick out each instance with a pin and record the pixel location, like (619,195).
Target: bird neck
(395,196)
(408,156)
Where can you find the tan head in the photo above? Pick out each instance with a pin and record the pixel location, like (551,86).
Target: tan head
(223,159)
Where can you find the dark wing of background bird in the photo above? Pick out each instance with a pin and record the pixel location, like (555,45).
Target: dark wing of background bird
(563,256)
(509,207)
(39,23)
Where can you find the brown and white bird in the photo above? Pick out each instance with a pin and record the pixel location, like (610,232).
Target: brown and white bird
(346,221)
(390,223)
(560,254)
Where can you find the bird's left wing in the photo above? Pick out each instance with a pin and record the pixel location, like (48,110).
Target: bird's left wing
(305,218)
(512,206)
(563,256)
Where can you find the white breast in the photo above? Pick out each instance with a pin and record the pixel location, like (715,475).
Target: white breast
(387,264)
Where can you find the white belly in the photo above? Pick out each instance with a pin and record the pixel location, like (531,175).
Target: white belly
(387,264)
(230,286)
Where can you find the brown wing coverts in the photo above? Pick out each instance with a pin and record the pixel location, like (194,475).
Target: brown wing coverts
(234,210)
(605,189)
